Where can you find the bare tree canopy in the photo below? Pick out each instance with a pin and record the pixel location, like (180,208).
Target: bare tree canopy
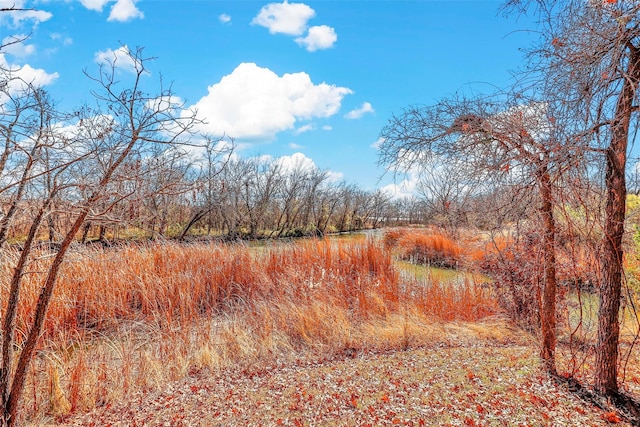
(83,158)
(500,139)
(576,99)
(589,60)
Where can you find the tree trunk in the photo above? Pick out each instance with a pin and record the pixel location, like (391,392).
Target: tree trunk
(85,232)
(194,219)
(548,306)
(612,270)
(7,410)
(51,225)
(606,369)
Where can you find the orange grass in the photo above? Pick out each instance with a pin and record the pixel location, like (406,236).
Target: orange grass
(135,317)
(469,301)
(429,246)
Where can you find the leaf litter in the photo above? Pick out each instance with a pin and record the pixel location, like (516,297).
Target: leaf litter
(482,384)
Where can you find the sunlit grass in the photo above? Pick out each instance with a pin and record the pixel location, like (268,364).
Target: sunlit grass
(135,317)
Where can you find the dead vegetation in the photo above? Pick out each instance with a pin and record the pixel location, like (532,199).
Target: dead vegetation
(179,327)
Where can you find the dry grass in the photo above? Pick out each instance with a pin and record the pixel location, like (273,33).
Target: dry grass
(515,265)
(132,319)
(426,246)
(467,384)
(435,247)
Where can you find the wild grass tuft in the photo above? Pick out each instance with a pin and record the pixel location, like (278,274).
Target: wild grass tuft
(428,246)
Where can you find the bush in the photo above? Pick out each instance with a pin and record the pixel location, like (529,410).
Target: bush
(517,270)
(515,281)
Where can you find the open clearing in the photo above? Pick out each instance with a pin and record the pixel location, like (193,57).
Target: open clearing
(479,383)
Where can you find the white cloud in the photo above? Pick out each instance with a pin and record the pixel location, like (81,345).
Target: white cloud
(377,143)
(265,158)
(125,10)
(256,103)
(224,18)
(405,189)
(100,123)
(20,75)
(66,41)
(335,176)
(359,112)
(300,162)
(294,162)
(121,11)
(327,127)
(285,18)
(96,5)
(295,146)
(291,19)
(119,58)
(36,76)
(16,17)
(411,173)
(304,128)
(165,103)
(14,45)
(318,37)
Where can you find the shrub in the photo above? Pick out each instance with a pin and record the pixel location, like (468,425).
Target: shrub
(515,274)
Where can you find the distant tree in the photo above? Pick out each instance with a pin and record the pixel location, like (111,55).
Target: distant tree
(314,190)
(26,129)
(447,190)
(380,202)
(289,185)
(232,206)
(208,188)
(325,205)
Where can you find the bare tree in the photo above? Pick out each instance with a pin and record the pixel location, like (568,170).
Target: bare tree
(26,131)
(103,141)
(501,139)
(288,192)
(588,60)
(208,188)
(325,206)
(313,192)
(446,188)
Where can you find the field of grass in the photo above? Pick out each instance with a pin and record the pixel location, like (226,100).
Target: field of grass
(138,317)
(134,321)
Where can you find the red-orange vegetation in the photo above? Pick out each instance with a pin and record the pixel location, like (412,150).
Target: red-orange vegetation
(172,283)
(426,246)
(611,417)
(217,304)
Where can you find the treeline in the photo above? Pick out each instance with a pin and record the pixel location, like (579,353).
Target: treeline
(137,165)
(236,198)
(172,183)
(172,193)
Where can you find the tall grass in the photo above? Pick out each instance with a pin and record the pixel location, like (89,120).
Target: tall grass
(135,317)
(427,246)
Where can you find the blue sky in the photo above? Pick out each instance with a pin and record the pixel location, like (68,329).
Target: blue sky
(311,82)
